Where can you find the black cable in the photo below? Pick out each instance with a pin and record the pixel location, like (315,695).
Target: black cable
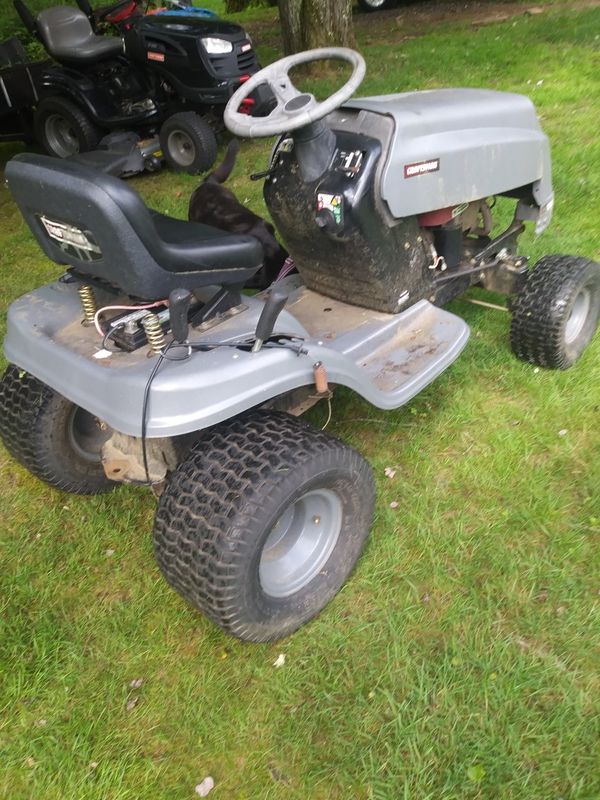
(246,343)
(145,404)
(108,335)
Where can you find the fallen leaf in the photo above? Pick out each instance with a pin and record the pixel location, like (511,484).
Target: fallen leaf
(280,660)
(389,472)
(394,504)
(136,683)
(109,552)
(476,773)
(563,432)
(131,704)
(205,786)
(277,774)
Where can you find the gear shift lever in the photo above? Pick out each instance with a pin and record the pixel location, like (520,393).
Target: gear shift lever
(179,304)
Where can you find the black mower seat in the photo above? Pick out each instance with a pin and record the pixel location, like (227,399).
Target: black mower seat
(186,243)
(98,225)
(67,35)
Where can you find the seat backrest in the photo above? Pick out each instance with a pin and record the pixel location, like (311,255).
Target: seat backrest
(63,29)
(12,52)
(92,222)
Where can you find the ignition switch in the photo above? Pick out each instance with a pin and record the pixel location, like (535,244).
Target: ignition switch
(330,212)
(326,221)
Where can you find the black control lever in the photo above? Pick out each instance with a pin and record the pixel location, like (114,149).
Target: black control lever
(179,305)
(268,317)
(257,176)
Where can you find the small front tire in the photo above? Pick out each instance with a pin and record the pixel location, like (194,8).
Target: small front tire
(556,313)
(54,439)
(263,522)
(188,143)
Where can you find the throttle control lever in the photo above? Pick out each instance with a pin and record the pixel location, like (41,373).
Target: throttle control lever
(268,317)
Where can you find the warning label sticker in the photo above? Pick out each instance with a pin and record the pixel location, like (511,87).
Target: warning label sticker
(333,203)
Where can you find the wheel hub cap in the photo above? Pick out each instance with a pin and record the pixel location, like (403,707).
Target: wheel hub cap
(87,435)
(181,148)
(578,315)
(300,543)
(61,137)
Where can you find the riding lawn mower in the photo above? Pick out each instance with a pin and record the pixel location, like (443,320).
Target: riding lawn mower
(160,87)
(145,362)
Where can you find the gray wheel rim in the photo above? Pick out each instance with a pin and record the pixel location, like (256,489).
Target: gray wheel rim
(300,543)
(374,3)
(86,435)
(578,316)
(181,148)
(60,136)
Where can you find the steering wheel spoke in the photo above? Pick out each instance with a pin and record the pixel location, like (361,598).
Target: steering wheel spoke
(283,89)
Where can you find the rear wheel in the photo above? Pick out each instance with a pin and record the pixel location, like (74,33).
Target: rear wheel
(263,522)
(54,439)
(63,129)
(556,313)
(188,143)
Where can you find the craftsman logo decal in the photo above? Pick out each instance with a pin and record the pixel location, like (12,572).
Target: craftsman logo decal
(72,240)
(421,168)
(155,56)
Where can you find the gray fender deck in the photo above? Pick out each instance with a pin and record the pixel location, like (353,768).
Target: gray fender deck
(386,358)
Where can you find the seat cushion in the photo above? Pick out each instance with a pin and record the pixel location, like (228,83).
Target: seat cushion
(192,246)
(68,36)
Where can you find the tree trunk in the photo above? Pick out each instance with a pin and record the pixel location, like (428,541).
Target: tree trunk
(306,24)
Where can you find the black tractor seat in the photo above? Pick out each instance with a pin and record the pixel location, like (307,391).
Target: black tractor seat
(185,244)
(68,37)
(97,224)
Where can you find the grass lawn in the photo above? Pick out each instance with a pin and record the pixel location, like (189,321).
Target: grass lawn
(462,658)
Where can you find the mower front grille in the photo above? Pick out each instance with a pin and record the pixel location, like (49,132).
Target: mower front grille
(247,62)
(234,64)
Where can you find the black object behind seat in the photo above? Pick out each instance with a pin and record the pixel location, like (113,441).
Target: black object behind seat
(67,35)
(12,52)
(99,225)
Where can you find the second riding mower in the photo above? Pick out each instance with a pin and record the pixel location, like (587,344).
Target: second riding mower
(146,363)
(159,90)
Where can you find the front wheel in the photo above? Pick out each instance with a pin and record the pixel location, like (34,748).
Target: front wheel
(556,313)
(263,522)
(188,143)
(55,440)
